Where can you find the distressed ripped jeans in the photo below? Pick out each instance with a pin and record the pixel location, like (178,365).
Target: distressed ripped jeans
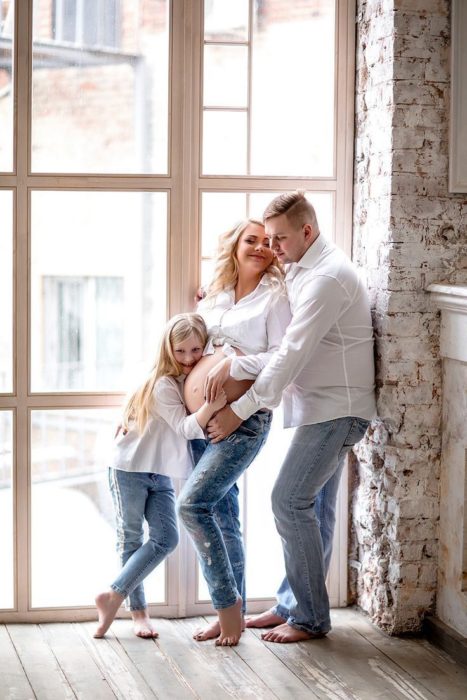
(208,508)
(304,507)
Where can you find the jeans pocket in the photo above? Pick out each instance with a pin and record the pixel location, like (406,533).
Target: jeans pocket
(357,431)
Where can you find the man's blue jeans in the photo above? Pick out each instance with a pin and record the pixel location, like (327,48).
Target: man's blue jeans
(304,507)
(208,508)
(140,496)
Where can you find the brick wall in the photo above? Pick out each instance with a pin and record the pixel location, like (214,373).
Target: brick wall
(408,232)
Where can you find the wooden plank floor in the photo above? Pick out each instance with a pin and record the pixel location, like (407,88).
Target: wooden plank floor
(355,662)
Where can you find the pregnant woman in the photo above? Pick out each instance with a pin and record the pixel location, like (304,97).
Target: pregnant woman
(246,313)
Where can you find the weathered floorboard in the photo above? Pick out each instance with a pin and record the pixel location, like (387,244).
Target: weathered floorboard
(13,680)
(356,661)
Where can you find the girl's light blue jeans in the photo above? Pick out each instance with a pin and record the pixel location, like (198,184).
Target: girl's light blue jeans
(140,496)
(208,508)
(304,507)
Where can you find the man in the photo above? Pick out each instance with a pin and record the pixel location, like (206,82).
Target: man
(324,371)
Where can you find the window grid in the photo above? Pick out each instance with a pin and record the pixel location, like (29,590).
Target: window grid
(184,185)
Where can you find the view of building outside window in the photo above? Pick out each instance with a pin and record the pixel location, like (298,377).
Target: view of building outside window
(100,86)
(6,509)
(7,11)
(98,304)
(284,124)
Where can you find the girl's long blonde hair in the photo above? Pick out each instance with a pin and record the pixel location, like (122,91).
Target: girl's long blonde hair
(226,269)
(177,330)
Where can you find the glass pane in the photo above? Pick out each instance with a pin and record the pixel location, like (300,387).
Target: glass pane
(265,565)
(100,86)
(296,48)
(220,212)
(71,507)
(224,143)
(7,32)
(6,291)
(98,288)
(6,510)
(225,20)
(225,76)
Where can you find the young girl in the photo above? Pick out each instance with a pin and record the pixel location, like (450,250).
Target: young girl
(148,452)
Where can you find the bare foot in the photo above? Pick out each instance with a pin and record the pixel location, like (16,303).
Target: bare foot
(142,624)
(230,621)
(284,634)
(212,631)
(266,619)
(107,605)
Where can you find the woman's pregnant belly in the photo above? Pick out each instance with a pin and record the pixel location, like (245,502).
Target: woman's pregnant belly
(194,383)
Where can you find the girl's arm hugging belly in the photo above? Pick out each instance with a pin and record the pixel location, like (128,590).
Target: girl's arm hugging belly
(194,383)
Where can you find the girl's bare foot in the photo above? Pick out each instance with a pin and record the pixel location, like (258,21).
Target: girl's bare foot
(266,619)
(142,624)
(107,605)
(230,621)
(212,631)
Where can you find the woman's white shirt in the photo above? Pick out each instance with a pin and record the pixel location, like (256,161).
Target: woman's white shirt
(255,325)
(162,448)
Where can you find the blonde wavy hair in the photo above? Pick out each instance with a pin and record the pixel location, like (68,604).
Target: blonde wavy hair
(177,330)
(226,269)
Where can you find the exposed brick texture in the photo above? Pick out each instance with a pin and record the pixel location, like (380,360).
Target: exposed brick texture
(408,232)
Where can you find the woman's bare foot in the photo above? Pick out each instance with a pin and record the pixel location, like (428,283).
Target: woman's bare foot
(230,622)
(285,634)
(107,605)
(142,625)
(212,631)
(266,619)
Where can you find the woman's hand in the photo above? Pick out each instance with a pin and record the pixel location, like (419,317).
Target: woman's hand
(216,379)
(223,424)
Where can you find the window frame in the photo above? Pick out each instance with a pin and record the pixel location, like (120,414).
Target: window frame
(184,185)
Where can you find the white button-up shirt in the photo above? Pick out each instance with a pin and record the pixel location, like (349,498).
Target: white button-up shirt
(162,448)
(255,324)
(324,368)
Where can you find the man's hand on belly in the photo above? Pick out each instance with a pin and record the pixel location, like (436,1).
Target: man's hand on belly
(224,423)
(216,379)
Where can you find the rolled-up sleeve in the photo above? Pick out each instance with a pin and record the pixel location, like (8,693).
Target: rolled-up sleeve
(169,407)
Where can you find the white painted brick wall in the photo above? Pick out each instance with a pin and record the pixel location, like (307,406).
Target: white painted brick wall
(408,232)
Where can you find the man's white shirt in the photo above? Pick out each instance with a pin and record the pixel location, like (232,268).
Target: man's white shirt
(324,368)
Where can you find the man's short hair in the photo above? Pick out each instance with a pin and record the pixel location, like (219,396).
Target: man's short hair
(296,208)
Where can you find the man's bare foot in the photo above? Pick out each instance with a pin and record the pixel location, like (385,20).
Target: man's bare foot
(107,605)
(142,625)
(266,619)
(212,631)
(284,634)
(230,622)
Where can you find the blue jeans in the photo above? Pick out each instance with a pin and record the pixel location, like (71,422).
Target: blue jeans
(227,515)
(304,507)
(140,496)
(208,508)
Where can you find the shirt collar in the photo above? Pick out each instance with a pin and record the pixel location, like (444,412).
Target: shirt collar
(310,257)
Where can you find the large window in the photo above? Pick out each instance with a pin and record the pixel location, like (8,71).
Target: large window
(131,137)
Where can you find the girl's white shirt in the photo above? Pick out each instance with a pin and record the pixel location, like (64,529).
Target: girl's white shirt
(162,448)
(255,324)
